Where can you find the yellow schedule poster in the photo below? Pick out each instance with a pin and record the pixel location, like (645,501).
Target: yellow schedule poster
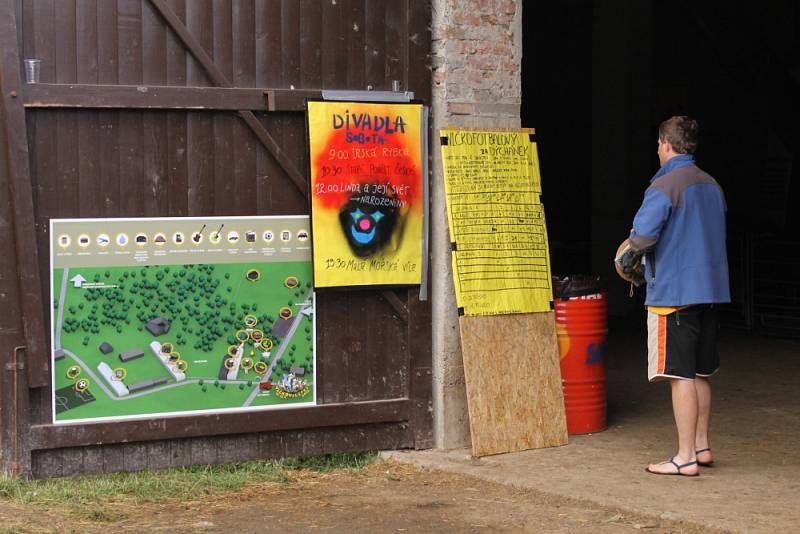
(366,193)
(501,262)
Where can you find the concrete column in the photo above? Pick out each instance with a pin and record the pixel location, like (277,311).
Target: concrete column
(477,56)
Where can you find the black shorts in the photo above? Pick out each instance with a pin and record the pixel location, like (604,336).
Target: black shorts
(682,344)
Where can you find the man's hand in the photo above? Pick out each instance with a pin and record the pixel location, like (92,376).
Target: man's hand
(628,264)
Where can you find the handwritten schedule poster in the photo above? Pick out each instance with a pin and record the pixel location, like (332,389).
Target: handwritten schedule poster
(366,193)
(501,262)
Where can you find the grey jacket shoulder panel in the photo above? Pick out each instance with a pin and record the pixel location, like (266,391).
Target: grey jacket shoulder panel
(674,183)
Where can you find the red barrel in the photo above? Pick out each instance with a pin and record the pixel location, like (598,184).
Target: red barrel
(582,328)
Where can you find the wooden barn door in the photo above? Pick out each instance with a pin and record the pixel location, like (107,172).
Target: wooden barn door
(195,108)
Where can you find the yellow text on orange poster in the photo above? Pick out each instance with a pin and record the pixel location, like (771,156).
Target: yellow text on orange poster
(366,193)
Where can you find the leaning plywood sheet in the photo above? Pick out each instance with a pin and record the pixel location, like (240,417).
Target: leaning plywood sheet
(514,395)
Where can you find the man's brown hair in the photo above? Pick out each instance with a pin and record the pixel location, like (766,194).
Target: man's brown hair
(681,132)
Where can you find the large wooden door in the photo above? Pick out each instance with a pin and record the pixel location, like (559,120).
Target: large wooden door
(195,108)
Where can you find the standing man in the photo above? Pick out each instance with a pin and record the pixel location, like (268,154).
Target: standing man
(680,229)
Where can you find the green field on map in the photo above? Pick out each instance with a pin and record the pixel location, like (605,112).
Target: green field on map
(258,315)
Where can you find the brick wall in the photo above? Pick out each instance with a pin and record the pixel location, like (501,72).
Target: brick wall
(477,56)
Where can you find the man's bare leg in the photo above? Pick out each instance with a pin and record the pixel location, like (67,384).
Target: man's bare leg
(703,387)
(685,408)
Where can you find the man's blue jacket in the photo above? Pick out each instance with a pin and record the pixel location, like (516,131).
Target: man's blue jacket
(681,227)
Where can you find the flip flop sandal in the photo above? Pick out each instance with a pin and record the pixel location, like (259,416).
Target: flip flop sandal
(704,464)
(678,467)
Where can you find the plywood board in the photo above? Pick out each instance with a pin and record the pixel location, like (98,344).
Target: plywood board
(514,394)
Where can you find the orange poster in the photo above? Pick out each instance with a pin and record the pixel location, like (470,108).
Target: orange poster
(366,193)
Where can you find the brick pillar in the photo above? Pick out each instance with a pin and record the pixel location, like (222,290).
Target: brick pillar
(477,55)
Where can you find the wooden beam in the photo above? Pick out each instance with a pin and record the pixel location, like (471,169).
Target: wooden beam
(59,95)
(216,76)
(326,415)
(50,95)
(15,145)
(290,99)
(396,303)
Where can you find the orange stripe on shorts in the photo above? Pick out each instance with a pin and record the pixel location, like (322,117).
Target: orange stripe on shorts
(662,342)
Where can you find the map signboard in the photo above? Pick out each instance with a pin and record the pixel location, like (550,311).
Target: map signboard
(180,316)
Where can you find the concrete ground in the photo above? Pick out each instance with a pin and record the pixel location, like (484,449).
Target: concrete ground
(754,485)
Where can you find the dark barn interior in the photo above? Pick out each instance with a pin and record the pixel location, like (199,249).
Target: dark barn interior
(598,78)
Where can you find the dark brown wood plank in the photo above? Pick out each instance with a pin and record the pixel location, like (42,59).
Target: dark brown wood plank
(312,442)
(66,149)
(177,164)
(356,28)
(225,194)
(394,380)
(11,331)
(419,50)
(86,46)
(310,36)
(244,150)
(244,43)
(17,171)
(333,347)
(358,350)
(58,436)
(158,455)
(72,461)
(218,78)
(108,173)
(222,53)
(131,182)
(66,42)
(177,123)
(27,49)
(158,97)
(268,44)
(289,100)
(47,464)
(154,43)
(419,327)
(91,198)
(237,448)
(377,343)
(92,459)
(395,46)
(204,451)
(175,51)
(334,59)
(245,146)
(222,47)
(107,44)
(198,27)
(129,32)
(155,165)
(155,132)
(290,17)
(180,451)
(44,42)
(200,159)
(113,458)
(271,445)
(375,46)
(134,456)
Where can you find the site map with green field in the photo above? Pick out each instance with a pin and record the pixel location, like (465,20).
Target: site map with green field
(136,334)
